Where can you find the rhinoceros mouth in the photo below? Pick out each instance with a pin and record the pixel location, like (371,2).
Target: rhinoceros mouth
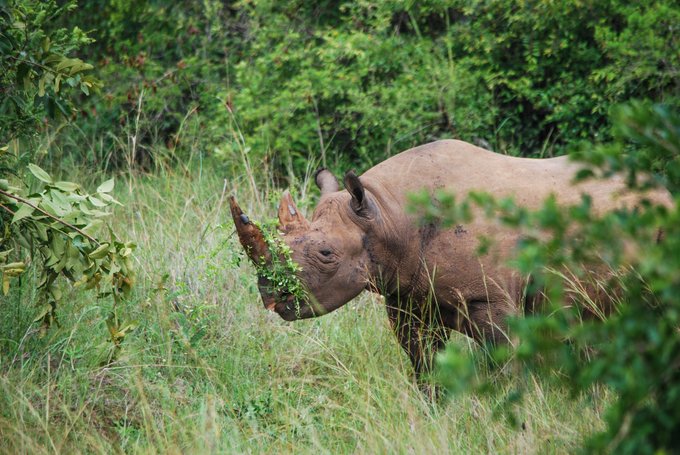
(275,301)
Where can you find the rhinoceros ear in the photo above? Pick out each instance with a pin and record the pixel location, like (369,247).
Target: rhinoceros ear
(290,217)
(326,181)
(356,189)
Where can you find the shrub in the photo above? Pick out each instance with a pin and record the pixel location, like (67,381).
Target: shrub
(38,73)
(636,351)
(48,225)
(350,83)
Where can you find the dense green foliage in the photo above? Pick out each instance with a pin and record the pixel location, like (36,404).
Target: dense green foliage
(199,99)
(37,66)
(54,230)
(351,83)
(636,351)
(47,223)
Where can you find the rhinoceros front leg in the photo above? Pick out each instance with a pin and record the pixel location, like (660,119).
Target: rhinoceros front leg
(420,333)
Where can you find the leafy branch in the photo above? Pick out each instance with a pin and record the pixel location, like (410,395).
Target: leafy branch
(55,230)
(24,201)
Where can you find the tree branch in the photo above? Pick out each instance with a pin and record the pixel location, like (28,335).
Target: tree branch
(7,209)
(22,200)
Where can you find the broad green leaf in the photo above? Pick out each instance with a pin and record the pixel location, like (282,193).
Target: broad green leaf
(24,211)
(41,230)
(52,58)
(108,198)
(106,187)
(67,186)
(58,245)
(39,173)
(96,202)
(65,63)
(46,308)
(100,252)
(52,208)
(93,226)
(73,197)
(92,212)
(60,200)
(51,260)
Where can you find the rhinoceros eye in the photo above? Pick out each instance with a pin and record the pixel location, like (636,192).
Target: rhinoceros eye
(326,252)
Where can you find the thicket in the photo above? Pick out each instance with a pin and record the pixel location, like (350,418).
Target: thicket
(636,350)
(350,83)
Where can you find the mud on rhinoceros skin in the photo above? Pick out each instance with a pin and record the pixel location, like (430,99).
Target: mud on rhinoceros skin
(363,237)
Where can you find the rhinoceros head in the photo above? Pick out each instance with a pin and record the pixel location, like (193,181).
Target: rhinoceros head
(333,263)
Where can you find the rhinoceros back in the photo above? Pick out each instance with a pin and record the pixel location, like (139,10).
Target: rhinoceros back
(461,168)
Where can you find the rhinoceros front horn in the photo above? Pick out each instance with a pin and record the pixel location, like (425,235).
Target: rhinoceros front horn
(253,243)
(250,235)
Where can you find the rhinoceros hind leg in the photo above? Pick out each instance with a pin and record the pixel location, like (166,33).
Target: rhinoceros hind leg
(487,322)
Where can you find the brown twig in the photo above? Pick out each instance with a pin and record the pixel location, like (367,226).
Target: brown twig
(20,199)
(7,209)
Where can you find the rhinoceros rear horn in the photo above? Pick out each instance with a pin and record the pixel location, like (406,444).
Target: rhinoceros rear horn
(290,217)
(249,234)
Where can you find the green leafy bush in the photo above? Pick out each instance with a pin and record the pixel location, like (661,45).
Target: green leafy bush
(46,225)
(350,83)
(37,66)
(636,351)
(54,229)
(362,81)
(163,65)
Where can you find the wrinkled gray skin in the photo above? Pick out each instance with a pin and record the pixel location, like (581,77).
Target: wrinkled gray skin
(362,238)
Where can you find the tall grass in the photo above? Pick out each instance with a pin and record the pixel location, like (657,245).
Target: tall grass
(208,370)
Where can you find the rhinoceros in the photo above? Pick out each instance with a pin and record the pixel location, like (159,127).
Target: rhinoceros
(433,280)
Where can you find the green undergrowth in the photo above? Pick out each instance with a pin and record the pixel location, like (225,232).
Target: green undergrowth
(208,370)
